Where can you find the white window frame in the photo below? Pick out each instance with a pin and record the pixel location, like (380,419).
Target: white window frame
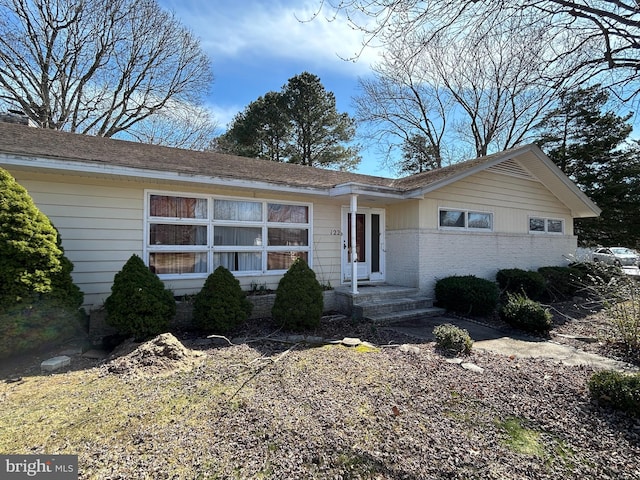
(211,223)
(546,221)
(466,212)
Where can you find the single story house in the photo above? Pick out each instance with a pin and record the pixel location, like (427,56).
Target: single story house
(186,212)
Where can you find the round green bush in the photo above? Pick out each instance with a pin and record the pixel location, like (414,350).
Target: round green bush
(562,282)
(39,303)
(29,253)
(221,305)
(299,303)
(452,339)
(468,295)
(139,305)
(526,314)
(617,390)
(515,280)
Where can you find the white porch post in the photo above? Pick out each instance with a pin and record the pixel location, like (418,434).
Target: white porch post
(354,245)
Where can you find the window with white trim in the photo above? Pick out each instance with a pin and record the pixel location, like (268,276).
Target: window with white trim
(193,235)
(465,219)
(546,225)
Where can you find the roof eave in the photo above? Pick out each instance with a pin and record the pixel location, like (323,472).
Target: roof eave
(57,165)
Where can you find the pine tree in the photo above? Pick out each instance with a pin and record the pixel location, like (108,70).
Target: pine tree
(300,124)
(592,147)
(29,253)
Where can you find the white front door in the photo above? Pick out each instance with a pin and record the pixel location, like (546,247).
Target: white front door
(369,244)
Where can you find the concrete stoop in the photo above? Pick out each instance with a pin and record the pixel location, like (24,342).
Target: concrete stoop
(387,304)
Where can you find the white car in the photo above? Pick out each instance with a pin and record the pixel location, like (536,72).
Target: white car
(621,256)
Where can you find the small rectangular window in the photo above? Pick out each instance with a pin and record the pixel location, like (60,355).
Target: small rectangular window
(283,260)
(178,262)
(288,237)
(554,226)
(451,218)
(236,210)
(465,220)
(237,236)
(536,224)
(238,261)
(545,225)
(177,207)
(479,220)
(163,234)
(278,213)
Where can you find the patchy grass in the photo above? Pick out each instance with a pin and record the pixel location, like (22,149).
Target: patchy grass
(262,411)
(521,439)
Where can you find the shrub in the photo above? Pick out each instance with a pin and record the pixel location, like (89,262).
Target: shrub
(453,339)
(562,281)
(299,302)
(515,280)
(597,274)
(221,305)
(617,390)
(38,301)
(467,294)
(139,305)
(526,314)
(63,290)
(29,254)
(37,323)
(623,308)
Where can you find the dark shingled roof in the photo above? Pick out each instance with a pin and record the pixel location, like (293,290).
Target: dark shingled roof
(39,142)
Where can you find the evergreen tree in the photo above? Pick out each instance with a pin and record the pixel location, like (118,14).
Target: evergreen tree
(262,130)
(29,253)
(319,131)
(299,124)
(592,147)
(418,156)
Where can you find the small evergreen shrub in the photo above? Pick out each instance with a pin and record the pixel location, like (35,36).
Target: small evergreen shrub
(37,323)
(617,390)
(467,294)
(221,305)
(515,280)
(63,290)
(29,253)
(139,305)
(39,304)
(562,282)
(452,339)
(299,303)
(526,314)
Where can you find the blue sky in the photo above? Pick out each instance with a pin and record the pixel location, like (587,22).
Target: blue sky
(256,46)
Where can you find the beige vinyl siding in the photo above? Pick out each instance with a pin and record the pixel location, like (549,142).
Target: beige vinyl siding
(403,215)
(512,201)
(326,243)
(100,225)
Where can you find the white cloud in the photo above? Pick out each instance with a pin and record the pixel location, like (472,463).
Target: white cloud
(254,28)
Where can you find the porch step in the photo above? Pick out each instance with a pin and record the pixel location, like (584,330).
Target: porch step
(406,315)
(381,306)
(389,304)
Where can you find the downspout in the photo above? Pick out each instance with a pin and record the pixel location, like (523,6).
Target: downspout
(353,246)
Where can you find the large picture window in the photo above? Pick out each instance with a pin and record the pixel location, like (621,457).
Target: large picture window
(193,235)
(465,220)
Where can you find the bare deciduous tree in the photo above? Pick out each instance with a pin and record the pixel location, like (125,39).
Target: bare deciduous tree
(190,127)
(399,104)
(602,36)
(96,66)
(488,88)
